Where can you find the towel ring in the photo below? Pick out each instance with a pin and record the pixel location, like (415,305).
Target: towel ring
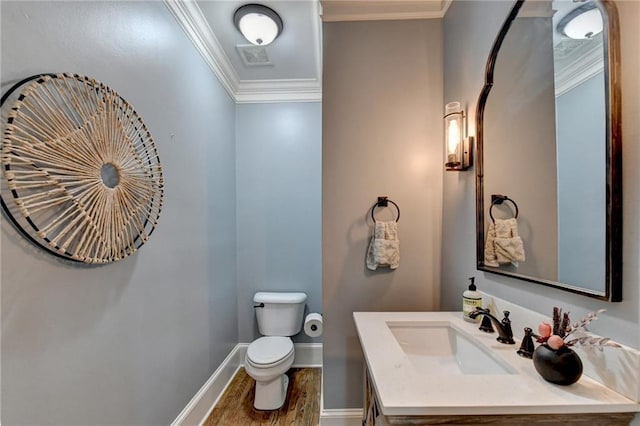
(384,202)
(499,199)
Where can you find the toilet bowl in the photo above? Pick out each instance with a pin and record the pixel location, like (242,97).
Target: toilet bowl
(279,316)
(267,360)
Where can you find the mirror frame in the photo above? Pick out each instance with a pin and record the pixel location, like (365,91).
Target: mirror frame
(613,249)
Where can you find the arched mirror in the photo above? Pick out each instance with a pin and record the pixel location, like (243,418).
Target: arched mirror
(549,149)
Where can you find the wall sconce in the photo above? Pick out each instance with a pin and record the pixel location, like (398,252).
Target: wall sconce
(457,144)
(257,23)
(581,23)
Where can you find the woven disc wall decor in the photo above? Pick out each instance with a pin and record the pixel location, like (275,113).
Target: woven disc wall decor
(81,167)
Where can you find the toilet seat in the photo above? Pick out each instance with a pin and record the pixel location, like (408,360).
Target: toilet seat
(267,352)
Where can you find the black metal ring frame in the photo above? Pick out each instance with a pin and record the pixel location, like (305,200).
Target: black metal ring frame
(383,202)
(499,199)
(5,209)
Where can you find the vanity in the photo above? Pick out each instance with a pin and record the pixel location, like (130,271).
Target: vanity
(425,368)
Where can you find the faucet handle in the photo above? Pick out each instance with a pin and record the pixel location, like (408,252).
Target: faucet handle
(526,346)
(506,324)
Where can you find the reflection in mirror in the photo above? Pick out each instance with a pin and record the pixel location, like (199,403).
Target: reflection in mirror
(549,140)
(578,59)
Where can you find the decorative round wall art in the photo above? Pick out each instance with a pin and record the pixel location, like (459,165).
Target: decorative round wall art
(81,169)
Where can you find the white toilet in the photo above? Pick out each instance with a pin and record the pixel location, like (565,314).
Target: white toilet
(268,358)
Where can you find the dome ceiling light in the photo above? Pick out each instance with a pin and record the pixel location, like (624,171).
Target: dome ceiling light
(583,22)
(257,23)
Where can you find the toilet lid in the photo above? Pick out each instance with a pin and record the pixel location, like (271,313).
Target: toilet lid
(268,350)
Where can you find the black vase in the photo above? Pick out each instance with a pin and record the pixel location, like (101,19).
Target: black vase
(562,366)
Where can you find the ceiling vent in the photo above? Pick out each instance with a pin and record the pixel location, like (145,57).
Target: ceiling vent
(253,56)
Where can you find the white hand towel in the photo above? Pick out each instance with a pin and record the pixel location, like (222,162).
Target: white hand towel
(506,228)
(384,246)
(509,250)
(503,244)
(490,258)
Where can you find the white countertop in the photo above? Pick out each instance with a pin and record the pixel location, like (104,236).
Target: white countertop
(402,390)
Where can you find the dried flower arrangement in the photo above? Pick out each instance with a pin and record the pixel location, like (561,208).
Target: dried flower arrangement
(563,333)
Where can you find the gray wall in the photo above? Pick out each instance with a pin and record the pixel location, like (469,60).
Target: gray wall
(278,165)
(130,342)
(582,184)
(382,135)
(519,143)
(469,30)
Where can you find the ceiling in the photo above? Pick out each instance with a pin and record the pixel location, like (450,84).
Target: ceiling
(293,72)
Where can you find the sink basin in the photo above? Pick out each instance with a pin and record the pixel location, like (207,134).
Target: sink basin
(440,348)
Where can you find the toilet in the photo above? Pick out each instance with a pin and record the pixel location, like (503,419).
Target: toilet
(268,358)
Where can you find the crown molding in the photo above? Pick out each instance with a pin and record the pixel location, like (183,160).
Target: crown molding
(581,62)
(290,90)
(195,25)
(197,29)
(343,10)
(317,30)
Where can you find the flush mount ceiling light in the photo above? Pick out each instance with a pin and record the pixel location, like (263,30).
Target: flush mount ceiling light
(583,22)
(257,23)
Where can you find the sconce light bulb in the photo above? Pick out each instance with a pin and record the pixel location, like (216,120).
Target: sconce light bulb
(453,137)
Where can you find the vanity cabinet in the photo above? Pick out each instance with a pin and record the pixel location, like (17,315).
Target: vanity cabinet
(373,416)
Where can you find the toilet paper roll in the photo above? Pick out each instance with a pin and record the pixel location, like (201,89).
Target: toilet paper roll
(313,325)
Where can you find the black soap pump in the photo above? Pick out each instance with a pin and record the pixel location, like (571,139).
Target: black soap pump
(471,299)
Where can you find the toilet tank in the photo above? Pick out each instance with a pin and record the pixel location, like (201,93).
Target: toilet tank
(281,314)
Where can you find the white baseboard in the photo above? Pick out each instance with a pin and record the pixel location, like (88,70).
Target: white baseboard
(339,417)
(308,355)
(198,409)
(346,417)
(201,405)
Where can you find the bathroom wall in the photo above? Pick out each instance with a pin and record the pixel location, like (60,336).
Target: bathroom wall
(278,169)
(582,128)
(129,342)
(381,135)
(469,30)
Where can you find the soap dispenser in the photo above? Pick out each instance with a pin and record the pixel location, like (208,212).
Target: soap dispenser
(471,299)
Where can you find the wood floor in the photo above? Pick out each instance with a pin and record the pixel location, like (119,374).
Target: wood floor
(301,407)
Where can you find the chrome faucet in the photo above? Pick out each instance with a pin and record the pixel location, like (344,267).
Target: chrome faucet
(505,334)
